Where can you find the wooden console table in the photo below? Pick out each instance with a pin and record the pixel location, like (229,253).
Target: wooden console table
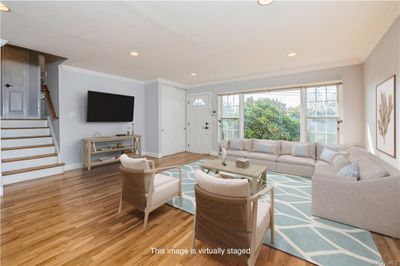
(90,149)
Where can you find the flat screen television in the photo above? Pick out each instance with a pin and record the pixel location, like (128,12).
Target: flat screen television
(107,107)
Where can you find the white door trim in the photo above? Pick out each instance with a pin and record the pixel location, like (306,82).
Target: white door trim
(187,117)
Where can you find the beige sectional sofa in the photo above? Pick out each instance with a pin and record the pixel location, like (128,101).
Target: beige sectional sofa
(370,201)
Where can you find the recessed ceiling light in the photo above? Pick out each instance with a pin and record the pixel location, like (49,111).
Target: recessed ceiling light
(265,2)
(193,74)
(134,53)
(292,54)
(4,8)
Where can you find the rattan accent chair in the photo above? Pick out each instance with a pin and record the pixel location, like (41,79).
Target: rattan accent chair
(147,190)
(233,222)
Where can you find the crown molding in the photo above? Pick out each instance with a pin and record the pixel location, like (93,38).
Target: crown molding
(167,82)
(276,73)
(100,74)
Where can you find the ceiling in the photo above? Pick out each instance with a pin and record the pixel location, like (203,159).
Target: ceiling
(216,40)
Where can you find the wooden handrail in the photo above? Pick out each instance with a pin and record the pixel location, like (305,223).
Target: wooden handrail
(49,102)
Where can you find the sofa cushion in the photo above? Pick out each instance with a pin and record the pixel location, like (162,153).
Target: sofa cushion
(134,163)
(164,187)
(267,146)
(263,219)
(370,169)
(339,161)
(221,186)
(248,144)
(236,144)
(332,147)
(350,170)
(301,149)
(324,169)
(286,147)
(296,160)
(262,156)
(327,155)
(237,153)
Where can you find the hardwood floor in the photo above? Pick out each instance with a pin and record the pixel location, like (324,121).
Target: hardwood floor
(72,219)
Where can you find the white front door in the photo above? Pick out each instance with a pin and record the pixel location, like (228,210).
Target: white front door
(15,82)
(199,123)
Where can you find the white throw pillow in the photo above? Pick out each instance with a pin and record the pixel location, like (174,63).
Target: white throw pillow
(134,163)
(301,149)
(350,170)
(340,161)
(236,144)
(239,188)
(327,155)
(266,146)
(369,169)
(286,148)
(248,144)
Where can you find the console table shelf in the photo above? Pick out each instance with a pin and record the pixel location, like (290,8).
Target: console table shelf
(90,149)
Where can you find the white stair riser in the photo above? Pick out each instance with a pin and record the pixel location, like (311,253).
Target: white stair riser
(23,123)
(9,179)
(6,143)
(9,133)
(27,152)
(28,163)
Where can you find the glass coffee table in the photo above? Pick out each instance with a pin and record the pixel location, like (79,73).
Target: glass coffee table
(255,173)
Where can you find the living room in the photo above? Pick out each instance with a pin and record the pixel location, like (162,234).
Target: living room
(254,132)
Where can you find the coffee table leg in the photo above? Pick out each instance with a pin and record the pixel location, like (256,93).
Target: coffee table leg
(263,181)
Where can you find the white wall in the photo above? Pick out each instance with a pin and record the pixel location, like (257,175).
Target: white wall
(73,86)
(383,62)
(152,115)
(352,96)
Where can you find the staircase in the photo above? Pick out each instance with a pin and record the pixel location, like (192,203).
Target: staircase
(28,150)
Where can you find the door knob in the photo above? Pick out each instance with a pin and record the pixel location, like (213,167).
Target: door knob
(205,127)
(9,85)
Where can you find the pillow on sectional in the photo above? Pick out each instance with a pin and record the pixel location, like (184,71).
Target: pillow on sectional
(134,163)
(266,146)
(301,149)
(248,144)
(350,170)
(236,144)
(369,169)
(327,155)
(221,186)
(339,161)
(286,147)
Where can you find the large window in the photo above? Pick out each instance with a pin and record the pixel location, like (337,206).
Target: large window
(302,114)
(272,115)
(322,114)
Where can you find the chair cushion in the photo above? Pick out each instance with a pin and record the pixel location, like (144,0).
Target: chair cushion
(134,163)
(165,187)
(236,144)
(296,160)
(263,219)
(267,146)
(262,156)
(224,187)
(237,153)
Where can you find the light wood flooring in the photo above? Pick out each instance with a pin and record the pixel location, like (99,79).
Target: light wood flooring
(71,219)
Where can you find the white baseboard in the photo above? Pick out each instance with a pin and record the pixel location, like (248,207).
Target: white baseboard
(72,166)
(214,153)
(151,154)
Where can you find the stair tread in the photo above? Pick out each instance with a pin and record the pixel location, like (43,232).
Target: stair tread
(28,157)
(27,147)
(24,170)
(26,119)
(13,128)
(28,137)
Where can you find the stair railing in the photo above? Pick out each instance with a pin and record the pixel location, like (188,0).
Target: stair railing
(49,102)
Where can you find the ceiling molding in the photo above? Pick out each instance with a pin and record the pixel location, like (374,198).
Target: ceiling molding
(100,74)
(277,73)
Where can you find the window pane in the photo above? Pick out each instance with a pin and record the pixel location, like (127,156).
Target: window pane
(321,94)
(331,126)
(311,125)
(230,128)
(272,115)
(331,93)
(332,108)
(321,109)
(311,95)
(321,138)
(311,109)
(321,126)
(311,137)
(230,106)
(331,138)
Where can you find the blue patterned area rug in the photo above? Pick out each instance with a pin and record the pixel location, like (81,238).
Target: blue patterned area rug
(297,232)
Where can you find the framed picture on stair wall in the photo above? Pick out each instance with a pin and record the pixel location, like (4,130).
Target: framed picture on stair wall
(386,116)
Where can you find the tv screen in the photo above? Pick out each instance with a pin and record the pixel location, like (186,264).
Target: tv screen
(106,107)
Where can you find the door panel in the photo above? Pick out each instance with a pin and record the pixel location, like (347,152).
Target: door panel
(15,82)
(199,126)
